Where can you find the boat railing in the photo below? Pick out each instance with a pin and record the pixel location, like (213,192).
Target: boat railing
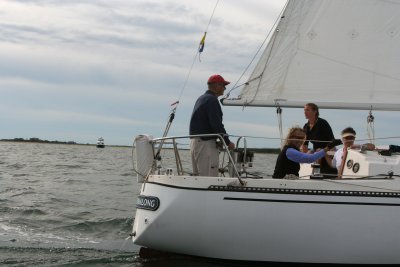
(158,144)
(238,163)
(173,140)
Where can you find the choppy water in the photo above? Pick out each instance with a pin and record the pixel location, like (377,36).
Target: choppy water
(73,205)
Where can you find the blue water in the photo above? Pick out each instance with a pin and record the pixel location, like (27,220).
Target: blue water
(72,205)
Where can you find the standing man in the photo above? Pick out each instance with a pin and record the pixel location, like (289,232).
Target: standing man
(207,119)
(317,129)
(320,132)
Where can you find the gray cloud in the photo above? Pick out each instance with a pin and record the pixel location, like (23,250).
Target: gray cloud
(106,66)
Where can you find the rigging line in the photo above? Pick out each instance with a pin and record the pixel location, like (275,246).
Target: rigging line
(187,78)
(255,137)
(279,114)
(357,140)
(310,140)
(176,103)
(255,55)
(282,16)
(197,54)
(370,127)
(271,31)
(381,138)
(212,15)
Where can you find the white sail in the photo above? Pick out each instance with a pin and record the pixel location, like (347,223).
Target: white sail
(337,53)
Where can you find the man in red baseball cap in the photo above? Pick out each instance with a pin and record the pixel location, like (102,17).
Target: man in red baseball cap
(217,79)
(207,119)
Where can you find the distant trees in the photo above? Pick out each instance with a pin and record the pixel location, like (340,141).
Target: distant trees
(38,140)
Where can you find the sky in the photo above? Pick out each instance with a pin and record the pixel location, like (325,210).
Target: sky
(79,69)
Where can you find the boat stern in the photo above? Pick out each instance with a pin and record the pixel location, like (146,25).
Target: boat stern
(370,164)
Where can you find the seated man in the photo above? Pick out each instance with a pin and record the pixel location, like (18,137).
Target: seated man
(348,138)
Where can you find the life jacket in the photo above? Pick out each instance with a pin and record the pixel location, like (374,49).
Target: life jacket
(284,165)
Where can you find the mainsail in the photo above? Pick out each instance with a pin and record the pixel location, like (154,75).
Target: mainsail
(340,54)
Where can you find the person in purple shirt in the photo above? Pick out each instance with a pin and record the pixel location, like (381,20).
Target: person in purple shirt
(207,119)
(290,157)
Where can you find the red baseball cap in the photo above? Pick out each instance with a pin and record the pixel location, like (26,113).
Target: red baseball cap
(217,79)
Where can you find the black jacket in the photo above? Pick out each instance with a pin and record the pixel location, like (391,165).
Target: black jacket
(321,131)
(284,165)
(207,117)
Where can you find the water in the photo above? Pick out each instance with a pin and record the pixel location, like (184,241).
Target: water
(73,205)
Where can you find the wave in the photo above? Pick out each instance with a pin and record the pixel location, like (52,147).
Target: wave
(33,212)
(23,193)
(30,256)
(16,166)
(17,191)
(20,174)
(102,227)
(23,211)
(70,166)
(129,174)
(16,233)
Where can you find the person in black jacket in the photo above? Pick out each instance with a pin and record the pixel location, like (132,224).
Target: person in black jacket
(319,133)
(207,119)
(288,161)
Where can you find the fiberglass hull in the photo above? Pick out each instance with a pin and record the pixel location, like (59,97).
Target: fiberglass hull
(272,220)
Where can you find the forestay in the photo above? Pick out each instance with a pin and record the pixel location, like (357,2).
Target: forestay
(337,53)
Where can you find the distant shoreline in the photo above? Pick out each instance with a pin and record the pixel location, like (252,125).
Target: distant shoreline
(37,140)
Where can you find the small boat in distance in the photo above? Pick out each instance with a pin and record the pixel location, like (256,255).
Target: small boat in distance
(100,142)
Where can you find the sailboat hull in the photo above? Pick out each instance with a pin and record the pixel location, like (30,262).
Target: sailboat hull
(271,220)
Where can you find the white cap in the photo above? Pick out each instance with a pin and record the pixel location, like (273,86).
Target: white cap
(348,134)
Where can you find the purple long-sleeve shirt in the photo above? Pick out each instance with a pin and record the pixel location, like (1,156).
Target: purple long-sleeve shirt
(300,157)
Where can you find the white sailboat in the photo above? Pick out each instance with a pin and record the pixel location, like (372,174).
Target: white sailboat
(100,142)
(339,54)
